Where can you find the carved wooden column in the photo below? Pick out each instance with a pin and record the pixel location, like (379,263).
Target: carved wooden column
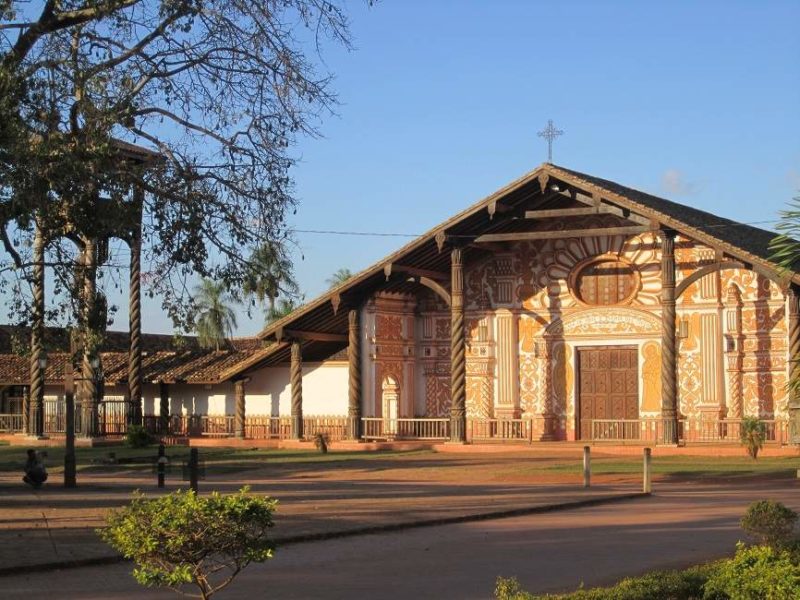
(90,400)
(669,378)
(792,296)
(354,381)
(296,379)
(240,415)
(135,328)
(458,360)
(734,352)
(163,407)
(26,409)
(544,353)
(36,424)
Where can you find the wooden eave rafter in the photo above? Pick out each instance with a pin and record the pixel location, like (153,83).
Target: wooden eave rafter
(313,336)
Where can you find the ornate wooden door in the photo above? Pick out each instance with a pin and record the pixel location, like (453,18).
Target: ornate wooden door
(608,388)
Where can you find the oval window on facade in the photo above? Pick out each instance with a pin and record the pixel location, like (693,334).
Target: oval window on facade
(606,282)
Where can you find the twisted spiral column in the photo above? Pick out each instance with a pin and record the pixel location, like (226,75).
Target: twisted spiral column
(296,379)
(135,328)
(735,353)
(36,403)
(458,356)
(240,416)
(354,379)
(669,378)
(89,400)
(792,296)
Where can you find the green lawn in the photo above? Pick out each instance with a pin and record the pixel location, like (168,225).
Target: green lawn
(217,460)
(424,464)
(691,466)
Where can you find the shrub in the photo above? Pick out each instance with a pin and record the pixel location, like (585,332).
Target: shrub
(183,539)
(675,585)
(137,437)
(321,442)
(755,573)
(753,434)
(772,523)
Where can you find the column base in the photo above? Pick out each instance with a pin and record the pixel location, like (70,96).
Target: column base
(458,429)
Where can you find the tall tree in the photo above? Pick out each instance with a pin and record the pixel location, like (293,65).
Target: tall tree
(215,320)
(270,275)
(219,89)
(280,310)
(339,277)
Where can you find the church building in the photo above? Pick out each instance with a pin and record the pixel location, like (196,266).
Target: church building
(571,306)
(561,307)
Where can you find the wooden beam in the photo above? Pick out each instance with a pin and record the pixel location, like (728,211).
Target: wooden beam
(566,233)
(431,284)
(565,212)
(315,336)
(436,275)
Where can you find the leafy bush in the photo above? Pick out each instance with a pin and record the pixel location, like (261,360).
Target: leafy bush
(137,437)
(321,442)
(675,585)
(772,523)
(753,434)
(756,573)
(181,538)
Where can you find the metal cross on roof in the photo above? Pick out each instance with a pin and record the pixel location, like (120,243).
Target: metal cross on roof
(550,133)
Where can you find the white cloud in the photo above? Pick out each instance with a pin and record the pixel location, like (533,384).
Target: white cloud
(674,182)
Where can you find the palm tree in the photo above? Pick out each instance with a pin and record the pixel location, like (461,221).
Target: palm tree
(270,275)
(280,310)
(215,318)
(339,277)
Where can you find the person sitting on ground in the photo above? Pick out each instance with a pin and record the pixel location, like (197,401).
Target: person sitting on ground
(35,473)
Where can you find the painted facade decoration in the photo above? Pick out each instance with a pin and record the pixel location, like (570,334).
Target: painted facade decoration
(529,310)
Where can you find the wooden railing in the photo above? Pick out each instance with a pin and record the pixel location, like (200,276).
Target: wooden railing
(10,422)
(505,430)
(263,427)
(730,431)
(625,430)
(256,427)
(713,431)
(333,426)
(377,428)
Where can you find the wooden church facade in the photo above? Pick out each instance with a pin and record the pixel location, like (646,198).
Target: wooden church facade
(567,305)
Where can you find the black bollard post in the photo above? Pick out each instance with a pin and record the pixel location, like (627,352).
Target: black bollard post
(193,468)
(161,465)
(587,466)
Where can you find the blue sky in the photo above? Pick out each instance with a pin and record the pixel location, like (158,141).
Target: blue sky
(442,100)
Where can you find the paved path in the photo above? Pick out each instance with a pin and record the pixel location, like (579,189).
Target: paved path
(681,525)
(55,525)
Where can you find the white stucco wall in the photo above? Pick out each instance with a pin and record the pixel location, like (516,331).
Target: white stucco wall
(267,393)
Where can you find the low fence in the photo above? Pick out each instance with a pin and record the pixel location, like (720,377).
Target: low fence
(690,431)
(10,422)
(505,430)
(377,428)
(113,421)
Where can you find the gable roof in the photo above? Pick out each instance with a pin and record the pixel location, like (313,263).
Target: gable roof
(328,312)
